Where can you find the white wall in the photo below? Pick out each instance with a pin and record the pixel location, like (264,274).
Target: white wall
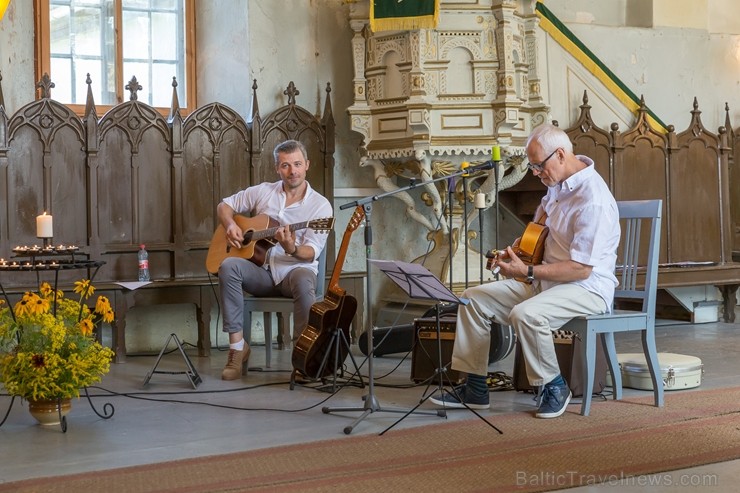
(16,55)
(668,65)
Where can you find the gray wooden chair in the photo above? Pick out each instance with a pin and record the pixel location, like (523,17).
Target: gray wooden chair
(632,250)
(283,307)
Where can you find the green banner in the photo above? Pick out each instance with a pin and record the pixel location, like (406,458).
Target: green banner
(393,15)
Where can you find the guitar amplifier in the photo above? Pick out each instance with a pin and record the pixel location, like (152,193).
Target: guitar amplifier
(424,355)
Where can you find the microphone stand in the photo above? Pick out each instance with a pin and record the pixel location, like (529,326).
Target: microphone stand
(450,215)
(496,165)
(371,402)
(465,222)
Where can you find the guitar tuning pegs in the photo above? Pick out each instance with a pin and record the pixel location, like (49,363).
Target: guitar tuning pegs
(493,253)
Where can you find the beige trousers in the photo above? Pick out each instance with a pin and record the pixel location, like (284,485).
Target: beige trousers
(533,314)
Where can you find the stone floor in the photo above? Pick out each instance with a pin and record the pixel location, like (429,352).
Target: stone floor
(168,419)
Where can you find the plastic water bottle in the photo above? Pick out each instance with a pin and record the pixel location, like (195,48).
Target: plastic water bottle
(143,263)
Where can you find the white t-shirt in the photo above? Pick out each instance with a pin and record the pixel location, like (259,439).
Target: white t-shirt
(269,199)
(584,227)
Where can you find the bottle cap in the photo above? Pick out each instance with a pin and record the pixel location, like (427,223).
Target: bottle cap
(142,246)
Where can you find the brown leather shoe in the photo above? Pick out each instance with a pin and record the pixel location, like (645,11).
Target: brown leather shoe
(236,364)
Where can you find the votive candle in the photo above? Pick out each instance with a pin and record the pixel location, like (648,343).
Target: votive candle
(44,226)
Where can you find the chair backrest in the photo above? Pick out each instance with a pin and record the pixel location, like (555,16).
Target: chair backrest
(637,217)
(321,276)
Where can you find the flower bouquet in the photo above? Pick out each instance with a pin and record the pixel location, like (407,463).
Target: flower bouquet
(47,347)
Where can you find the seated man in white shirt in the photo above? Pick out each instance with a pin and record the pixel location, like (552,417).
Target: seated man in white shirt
(576,278)
(291,265)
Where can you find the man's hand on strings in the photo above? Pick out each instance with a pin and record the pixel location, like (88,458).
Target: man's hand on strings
(234,235)
(509,264)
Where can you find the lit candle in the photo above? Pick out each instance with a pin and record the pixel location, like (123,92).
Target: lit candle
(496,153)
(480,200)
(44,226)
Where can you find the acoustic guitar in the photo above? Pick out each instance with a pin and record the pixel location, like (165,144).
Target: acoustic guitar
(259,232)
(335,311)
(531,247)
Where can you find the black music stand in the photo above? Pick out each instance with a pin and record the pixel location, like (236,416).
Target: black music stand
(419,283)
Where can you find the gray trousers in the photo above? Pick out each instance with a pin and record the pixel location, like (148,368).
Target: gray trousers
(237,275)
(532,314)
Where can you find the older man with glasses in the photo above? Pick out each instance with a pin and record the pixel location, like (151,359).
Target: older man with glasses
(576,278)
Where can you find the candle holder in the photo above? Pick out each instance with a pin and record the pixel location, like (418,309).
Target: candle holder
(48,241)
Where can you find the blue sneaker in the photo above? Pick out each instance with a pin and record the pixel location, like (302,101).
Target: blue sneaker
(552,399)
(460,398)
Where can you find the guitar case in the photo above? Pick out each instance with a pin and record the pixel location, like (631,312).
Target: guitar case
(400,339)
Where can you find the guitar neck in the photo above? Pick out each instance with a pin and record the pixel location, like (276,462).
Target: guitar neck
(354,223)
(270,232)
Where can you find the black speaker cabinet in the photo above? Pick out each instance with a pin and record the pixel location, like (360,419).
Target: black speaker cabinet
(424,355)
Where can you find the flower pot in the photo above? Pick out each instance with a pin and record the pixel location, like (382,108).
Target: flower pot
(46,412)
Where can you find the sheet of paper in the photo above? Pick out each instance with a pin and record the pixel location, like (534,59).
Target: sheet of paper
(133,284)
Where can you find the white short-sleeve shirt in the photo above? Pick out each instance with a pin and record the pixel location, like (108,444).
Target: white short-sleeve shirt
(269,199)
(584,227)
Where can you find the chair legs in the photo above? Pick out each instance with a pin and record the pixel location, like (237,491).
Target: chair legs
(589,365)
(651,357)
(611,358)
(588,369)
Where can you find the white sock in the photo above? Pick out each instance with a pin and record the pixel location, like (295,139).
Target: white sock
(238,346)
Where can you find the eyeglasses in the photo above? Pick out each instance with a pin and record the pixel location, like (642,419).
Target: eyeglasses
(540,167)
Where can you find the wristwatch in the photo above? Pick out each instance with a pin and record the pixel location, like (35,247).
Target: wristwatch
(530,274)
(295,250)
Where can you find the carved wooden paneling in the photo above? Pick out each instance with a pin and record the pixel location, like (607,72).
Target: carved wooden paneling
(135,189)
(689,171)
(135,177)
(45,172)
(215,165)
(695,173)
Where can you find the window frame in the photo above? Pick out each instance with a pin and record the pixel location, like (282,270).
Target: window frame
(43,57)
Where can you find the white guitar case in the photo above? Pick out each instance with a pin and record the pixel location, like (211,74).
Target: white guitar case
(678,371)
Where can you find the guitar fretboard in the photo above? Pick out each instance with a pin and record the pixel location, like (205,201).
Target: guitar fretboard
(270,232)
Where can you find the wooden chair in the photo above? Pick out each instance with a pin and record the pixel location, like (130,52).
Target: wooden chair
(283,307)
(631,214)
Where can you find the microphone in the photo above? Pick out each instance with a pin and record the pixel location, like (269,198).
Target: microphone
(483,166)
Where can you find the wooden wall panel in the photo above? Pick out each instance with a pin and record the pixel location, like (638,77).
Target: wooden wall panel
(215,165)
(24,187)
(114,185)
(695,214)
(67,173)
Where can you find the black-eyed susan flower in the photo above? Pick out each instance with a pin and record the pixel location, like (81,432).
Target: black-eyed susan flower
(47,347)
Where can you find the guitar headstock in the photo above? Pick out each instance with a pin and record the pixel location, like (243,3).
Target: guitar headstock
(356,219)
(323,225)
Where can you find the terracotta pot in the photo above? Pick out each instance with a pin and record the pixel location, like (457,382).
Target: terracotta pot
(46,412)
